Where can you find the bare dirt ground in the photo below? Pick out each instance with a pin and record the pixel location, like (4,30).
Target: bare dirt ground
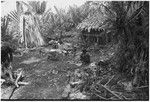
(46,79)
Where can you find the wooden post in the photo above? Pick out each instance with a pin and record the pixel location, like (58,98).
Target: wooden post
(24,33)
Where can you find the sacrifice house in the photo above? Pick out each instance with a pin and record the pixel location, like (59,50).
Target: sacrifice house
(94,28)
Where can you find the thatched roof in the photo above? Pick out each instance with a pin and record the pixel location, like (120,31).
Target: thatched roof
(97,21)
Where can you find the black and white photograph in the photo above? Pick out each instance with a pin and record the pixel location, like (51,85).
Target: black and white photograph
(80,50)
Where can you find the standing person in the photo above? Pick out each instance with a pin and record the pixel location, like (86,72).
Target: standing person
(6,60)
(85,57)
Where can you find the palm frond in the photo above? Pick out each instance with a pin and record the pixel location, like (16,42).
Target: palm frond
(134,9)
(135,14)
(14,16)
(48,12)
(59,13)
(108,11)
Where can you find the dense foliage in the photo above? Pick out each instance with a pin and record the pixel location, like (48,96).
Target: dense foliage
(130,37)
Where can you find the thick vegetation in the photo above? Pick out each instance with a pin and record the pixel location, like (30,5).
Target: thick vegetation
(125,57)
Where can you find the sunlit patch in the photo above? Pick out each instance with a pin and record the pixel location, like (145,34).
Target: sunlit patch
(31,60)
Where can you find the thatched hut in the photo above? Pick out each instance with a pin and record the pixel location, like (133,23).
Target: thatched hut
(94,28)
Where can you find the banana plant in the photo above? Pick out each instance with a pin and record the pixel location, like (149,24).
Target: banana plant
(28,15)
(4,28)
(4,24)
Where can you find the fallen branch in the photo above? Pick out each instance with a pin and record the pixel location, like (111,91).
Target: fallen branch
(101,96)
(23,83)
(111,92)
(120,93)
(125,98)
(101,78)
(17,82)
(97,90)
(17,79)
(15,87)
(109,80)
(99,81)
(12,92)
(142,87)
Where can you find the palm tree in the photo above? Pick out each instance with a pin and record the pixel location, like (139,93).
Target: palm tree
(132,32)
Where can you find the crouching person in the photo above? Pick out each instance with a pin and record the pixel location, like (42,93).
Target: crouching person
(85,57)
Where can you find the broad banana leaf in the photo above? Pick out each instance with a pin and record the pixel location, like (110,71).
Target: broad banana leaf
(33,34)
